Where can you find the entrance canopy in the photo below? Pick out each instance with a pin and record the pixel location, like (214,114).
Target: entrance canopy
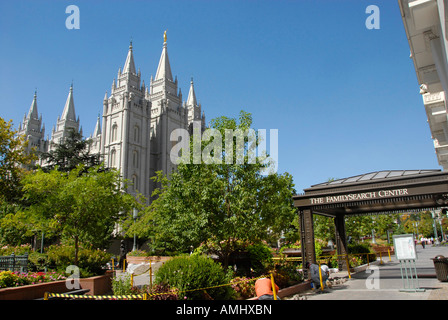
(377,192)
(372,193)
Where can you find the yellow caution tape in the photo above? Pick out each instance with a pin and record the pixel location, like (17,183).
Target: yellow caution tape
(137,296)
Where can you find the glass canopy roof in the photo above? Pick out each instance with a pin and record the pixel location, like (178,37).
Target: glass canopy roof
(375,176)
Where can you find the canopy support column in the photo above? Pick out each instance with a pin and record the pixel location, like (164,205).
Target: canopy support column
(307,236)
(341,241)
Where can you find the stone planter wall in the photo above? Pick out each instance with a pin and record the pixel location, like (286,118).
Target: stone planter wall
(33,291)
(98,285)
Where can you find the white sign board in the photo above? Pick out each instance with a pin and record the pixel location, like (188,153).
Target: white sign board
(404,247)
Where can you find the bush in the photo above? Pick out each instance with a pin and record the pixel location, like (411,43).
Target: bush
(260,258)
(157,292)
(360,248)
(37,261)
(189,273)
(90,261)
(244,287)
(138,253)
(9,279)
(122,285)
(286,273)
(17,250)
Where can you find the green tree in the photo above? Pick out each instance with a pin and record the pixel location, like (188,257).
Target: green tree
(83,205)
(70,153)
(421,221)
(324,228)
(13,161)
(219,203)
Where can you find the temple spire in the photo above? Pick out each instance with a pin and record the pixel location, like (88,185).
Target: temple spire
(97,130)
(69,108)
(129,66)
(32,113)
(191,100)
(164,69)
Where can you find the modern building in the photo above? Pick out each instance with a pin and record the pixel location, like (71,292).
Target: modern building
(426,25)
(133,133)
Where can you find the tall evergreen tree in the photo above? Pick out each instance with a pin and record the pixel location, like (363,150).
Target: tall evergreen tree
(73,151)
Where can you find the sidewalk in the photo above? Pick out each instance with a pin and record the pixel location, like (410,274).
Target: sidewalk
(384,281)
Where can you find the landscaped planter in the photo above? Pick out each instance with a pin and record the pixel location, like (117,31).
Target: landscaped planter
(98,285)
(32,291)
(383,249)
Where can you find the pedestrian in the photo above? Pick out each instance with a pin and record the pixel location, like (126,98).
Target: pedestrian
(263,289)
(122,254)
(423,243)
(315,277)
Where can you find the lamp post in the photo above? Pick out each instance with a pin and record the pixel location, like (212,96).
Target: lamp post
(135,215)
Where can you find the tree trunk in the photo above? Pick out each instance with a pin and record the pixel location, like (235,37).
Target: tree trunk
(76,250)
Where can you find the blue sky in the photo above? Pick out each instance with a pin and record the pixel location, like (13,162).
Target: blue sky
(345,99)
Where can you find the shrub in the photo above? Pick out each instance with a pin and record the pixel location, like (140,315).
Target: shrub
(121,285)
(17,250)
(360,248)
(244,288)
(138,253)
(8,279)
(286,273)
(260,258)
(37,261)
(157,292)
(189,273)
(90,261)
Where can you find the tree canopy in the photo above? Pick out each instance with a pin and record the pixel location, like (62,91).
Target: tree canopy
(13,161)
(83,206)
(218,203)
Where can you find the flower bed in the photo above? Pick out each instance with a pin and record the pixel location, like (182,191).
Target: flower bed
(17,279)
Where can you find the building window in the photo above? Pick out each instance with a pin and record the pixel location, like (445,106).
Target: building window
(136,134)
(135,159)
(114,132)
(113,157)
(134,182)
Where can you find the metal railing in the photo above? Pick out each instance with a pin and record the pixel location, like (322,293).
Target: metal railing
(14,263)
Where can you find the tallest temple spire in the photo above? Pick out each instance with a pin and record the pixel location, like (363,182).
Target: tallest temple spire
(164,68)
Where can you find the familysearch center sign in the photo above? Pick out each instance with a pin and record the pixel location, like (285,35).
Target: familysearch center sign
(359,196)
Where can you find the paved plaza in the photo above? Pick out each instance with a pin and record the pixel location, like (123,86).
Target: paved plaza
(384,281)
